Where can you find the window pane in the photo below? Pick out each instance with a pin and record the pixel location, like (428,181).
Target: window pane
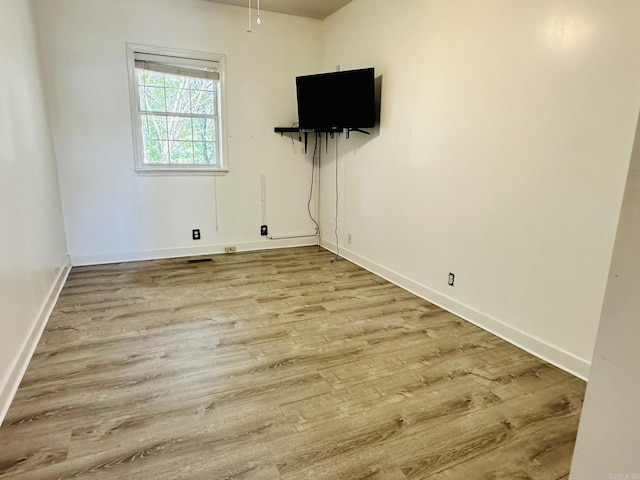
(154,127)
(203,102)
(180,128)
(199,153)
(146,77)
(178,93)
(155,151)
(204,129)
(175,81)
(201,84)
(204,153)
(181,152)
(178,100)
(212,154)
(152,99)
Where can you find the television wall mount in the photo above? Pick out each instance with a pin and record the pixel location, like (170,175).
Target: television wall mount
(347,131)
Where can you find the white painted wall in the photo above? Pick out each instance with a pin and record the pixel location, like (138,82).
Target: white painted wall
(114,214)
(607,445)
(32,243)
(504,144)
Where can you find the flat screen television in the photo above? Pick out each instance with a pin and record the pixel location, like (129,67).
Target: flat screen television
(338,100)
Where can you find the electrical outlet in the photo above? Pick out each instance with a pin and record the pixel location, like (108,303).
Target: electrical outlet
(452,277)
(264,230)
(348,238)
(195,234)
(229,249)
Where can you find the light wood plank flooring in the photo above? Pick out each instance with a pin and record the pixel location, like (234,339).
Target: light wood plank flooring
(278,365)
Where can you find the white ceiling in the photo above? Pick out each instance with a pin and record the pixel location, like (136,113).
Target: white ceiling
(319,9)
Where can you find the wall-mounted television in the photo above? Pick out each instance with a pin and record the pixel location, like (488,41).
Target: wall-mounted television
(338,100)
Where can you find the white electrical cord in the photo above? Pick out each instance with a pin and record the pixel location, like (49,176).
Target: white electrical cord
(263,198)
(215,200)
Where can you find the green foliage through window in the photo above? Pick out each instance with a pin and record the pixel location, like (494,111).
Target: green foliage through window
(179,116)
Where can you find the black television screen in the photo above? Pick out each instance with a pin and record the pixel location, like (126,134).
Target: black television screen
(338,100)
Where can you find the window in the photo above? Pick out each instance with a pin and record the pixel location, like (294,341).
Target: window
(177,110)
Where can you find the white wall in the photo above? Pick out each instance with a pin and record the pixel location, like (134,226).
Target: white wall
(505,139)
(32,244)
(112,213)
(607,442)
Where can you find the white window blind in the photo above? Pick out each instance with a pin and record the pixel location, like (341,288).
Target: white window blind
(178,66)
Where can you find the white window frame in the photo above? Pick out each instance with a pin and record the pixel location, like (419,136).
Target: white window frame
(189,57)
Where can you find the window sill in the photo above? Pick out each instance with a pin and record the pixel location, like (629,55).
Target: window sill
(180,170)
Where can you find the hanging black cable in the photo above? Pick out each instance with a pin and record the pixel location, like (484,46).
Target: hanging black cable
(313,172)
(337,198)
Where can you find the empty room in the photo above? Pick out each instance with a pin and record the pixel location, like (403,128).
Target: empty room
(303,239)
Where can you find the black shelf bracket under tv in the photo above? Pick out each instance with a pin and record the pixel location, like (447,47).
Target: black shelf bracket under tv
(283,130)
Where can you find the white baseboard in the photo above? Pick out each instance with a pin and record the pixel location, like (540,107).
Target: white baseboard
(81,260)
(21,362)
(548,352)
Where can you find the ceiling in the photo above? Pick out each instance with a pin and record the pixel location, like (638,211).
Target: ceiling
(319,9)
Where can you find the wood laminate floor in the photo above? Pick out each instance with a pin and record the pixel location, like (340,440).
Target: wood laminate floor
(278,365)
